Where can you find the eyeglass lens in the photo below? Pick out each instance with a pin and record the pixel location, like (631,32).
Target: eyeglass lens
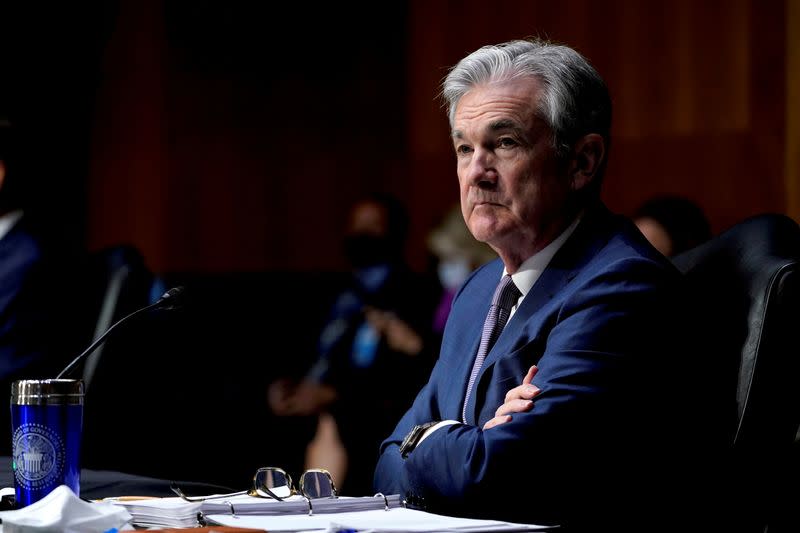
(317,484)
(272,479)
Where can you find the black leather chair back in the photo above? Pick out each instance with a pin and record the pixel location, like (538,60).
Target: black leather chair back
(746,288)
(119,283)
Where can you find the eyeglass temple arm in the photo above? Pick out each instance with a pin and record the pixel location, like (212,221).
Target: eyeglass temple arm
(271,494)
(177,490)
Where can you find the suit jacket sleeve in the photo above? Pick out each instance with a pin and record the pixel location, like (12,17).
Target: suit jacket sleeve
(389,471)
(596,346)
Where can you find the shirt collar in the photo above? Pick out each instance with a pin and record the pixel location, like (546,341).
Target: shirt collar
(8,220)
(530,270)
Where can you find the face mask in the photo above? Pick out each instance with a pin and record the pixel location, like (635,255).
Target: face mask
(453,272)
(364,250)
(61,510)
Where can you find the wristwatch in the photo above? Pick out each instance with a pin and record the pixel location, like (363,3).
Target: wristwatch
(412,439)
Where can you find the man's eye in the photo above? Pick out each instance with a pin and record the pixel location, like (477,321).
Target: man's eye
(463,149)
(506,142)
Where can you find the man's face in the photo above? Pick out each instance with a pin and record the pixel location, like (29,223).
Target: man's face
(513,193)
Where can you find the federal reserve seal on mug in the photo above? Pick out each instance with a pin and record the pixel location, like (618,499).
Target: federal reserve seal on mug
(38,454)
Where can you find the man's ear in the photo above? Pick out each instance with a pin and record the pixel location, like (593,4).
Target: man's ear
(2,172)
(587,156)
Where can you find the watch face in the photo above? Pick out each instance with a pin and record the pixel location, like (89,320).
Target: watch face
(410,440)
(406,442)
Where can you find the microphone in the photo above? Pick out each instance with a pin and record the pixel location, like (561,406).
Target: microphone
(172,299)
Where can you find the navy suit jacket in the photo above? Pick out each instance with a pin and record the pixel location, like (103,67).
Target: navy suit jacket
(20,337)
(600,325)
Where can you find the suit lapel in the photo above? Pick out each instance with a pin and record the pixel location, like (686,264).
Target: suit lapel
(551,281)
(590,235)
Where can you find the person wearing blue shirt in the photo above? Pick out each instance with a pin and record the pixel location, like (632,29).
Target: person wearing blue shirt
(374,343)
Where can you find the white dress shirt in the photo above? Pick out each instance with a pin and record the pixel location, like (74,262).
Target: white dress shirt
(8,220)
(524,278)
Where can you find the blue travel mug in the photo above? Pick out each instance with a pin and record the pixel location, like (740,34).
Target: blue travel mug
(46,427)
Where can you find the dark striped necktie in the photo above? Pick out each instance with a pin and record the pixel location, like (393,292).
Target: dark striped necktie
(505,296)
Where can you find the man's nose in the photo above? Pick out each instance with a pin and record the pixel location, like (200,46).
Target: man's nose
(482,172)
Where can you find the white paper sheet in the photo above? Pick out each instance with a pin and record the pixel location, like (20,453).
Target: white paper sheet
(391,521)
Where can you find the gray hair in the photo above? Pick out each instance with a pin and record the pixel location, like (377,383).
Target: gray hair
(575,98)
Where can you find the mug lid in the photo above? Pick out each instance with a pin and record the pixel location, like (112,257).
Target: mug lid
(50,388)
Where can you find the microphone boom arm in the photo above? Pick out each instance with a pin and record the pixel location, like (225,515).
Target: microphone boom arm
(166,301)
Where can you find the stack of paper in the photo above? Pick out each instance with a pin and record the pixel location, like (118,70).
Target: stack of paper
(393,521)
(176,512)
(364,513)
(251,505)
(160,512)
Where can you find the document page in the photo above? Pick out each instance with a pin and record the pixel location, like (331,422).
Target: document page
(392,521)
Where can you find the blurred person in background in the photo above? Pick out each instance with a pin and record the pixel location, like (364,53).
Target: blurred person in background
(457,254)
(372,351)
(27,297)
(21,260)
(673,224)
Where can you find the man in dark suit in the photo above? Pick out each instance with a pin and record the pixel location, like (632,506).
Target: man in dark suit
(20,260)
(29,296)
(564,414)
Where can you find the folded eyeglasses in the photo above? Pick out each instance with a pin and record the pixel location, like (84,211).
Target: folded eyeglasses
(273,482)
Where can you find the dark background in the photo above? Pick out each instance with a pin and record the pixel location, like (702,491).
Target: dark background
(233,136)
(227,140)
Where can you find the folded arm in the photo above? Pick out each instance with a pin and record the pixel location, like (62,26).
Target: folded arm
(598,355)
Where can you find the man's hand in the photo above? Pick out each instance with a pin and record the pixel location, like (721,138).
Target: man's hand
(518,400)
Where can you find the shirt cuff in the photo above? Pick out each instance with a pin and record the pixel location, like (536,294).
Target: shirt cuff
(431,429)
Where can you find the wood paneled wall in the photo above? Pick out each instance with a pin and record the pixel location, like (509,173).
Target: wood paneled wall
(792,170)
(235,137)
(698,91)
(225,142)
